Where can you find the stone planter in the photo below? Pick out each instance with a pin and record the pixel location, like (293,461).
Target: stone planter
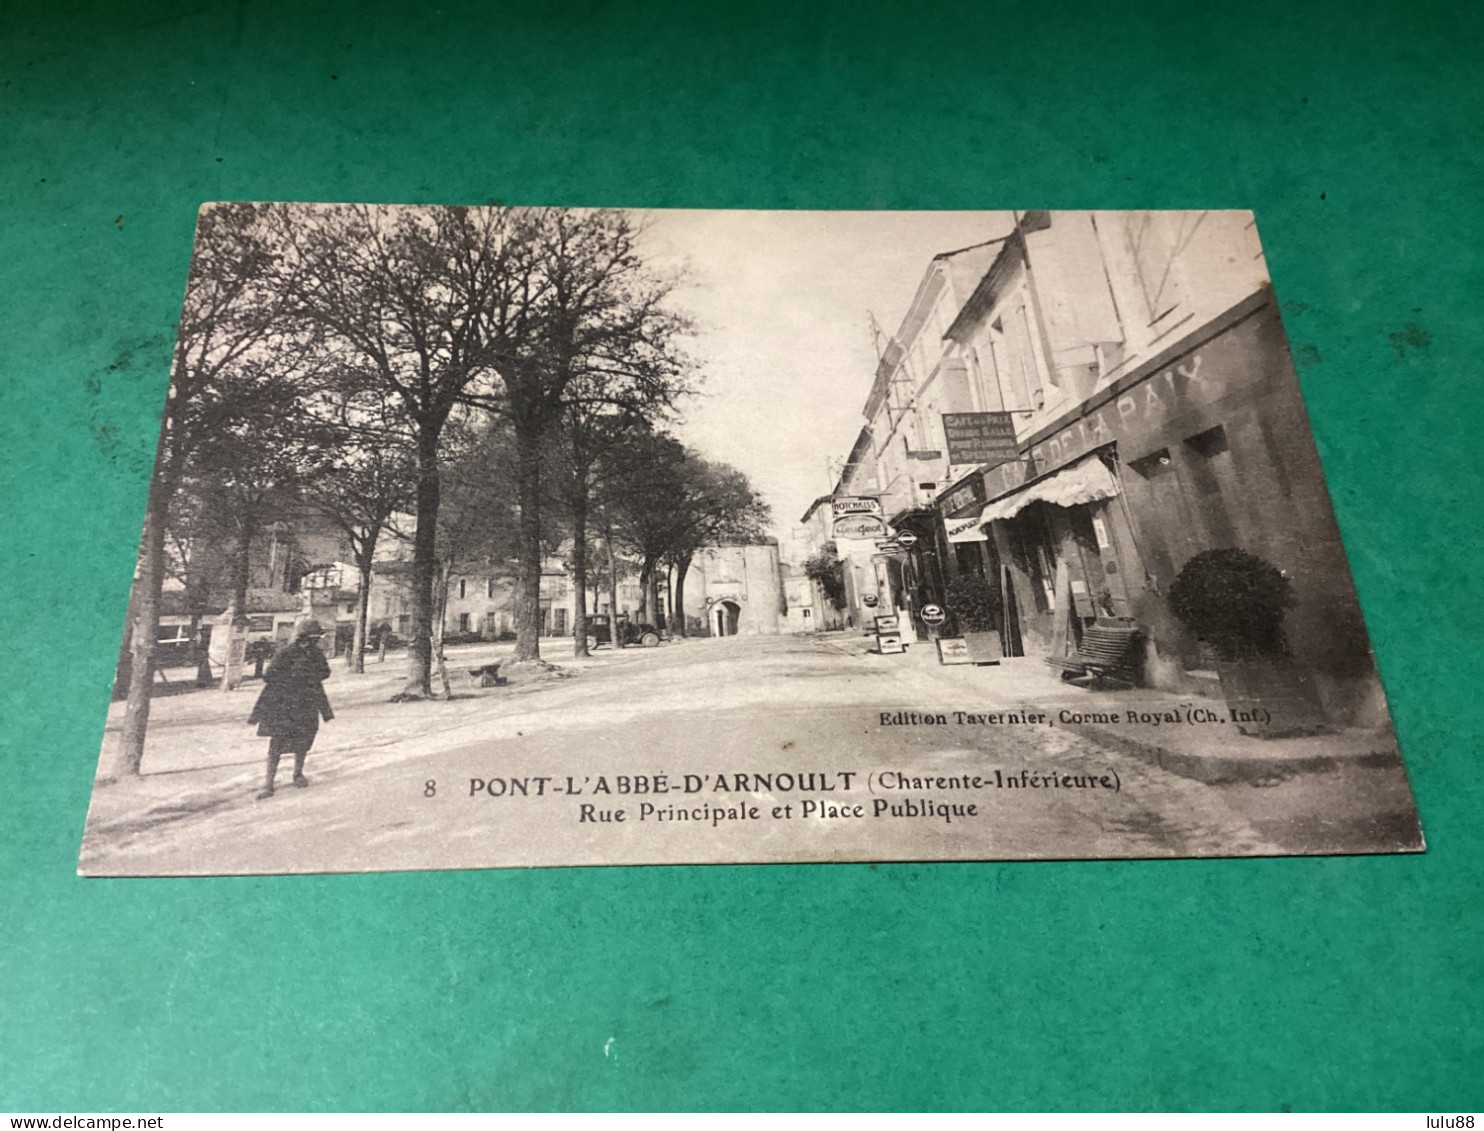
(1271,698)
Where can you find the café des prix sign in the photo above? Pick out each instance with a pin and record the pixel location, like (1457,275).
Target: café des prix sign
(980,437)
(857,516)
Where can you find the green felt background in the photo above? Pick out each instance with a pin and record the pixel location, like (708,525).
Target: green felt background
(1353,130)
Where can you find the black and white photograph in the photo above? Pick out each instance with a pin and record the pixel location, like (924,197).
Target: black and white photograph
(509,536)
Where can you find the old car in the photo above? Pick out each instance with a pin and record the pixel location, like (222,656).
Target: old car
(599,631)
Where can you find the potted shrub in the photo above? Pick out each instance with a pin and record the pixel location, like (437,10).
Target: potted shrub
(974,605)
(1235,602)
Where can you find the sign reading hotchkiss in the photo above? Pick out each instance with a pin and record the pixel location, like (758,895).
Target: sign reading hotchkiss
(980,437)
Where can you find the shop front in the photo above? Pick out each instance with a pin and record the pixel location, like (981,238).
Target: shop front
(1205,447)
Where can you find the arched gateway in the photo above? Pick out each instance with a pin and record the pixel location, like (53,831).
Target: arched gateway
(724,618)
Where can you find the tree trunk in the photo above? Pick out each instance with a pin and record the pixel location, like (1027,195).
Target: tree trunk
(682,567)
(121,674)
(363,608)
(440,616)
(424,562)
(528,577)
(649,592)
(579,574)
(202,651)
(615,638)
(644,574)
(144,608)
(242,561)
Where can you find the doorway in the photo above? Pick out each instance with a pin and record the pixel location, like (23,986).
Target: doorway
(724,618)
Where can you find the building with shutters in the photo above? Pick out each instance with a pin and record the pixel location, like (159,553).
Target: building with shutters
(1156,413)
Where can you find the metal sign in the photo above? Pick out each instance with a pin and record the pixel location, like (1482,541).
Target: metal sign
(980,437)
(859,526)
(969,493)
(969,529)
(906,539)
(933,615)
(855,504)
(954,650)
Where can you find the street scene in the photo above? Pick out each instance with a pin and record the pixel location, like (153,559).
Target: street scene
(503,537)
(793,705)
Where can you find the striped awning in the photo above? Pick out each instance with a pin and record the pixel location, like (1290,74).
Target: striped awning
(1085,481)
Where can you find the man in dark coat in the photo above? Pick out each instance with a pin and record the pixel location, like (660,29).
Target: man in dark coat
(293,701)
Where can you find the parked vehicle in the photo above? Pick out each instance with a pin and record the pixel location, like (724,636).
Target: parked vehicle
(599,631)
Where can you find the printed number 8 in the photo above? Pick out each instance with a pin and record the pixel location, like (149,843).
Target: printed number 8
(430,788)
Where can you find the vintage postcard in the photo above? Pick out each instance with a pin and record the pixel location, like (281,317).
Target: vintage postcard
(507,537)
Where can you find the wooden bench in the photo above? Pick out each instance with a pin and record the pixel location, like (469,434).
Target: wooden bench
(489,675)
(1109,654)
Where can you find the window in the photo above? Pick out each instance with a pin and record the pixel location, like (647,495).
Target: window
(463,587)
(489,587)
(1209,444)
(1157,240)
(463,618)
(1153,465)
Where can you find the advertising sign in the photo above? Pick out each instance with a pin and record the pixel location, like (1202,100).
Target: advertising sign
(954,650)
(855,504)
(890,644)
(969,493)
(980,437)
(860,526)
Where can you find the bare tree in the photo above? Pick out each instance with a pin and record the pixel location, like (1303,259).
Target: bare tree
(601,338)
(717,506)
(428,304)
(235,325)
(371,481)
(479,529)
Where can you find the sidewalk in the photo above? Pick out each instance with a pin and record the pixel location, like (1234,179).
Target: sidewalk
(1184,735)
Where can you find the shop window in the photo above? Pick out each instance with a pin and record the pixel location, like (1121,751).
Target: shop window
(967,557)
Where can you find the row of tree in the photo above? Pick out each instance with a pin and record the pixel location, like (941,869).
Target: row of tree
(501,374)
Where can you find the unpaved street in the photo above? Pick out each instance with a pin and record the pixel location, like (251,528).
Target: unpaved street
(740,749)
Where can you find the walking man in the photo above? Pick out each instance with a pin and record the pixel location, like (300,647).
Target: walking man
(293,701)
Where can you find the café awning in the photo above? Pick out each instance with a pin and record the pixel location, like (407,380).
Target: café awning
(1085,481)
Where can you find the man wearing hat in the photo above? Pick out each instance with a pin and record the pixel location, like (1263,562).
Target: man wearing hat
(293,701)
